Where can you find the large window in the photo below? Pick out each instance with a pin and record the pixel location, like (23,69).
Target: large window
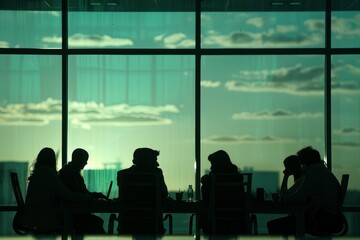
(120,103)
(262,109)
(259,79)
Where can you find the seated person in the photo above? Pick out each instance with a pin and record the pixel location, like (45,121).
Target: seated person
(42,210)
(317,186)
(224,171)
(145,165)
(70,175)
(292,168)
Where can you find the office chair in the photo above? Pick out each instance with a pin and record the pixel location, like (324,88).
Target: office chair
(251,219)
(228,206)
(140,206)
(343,231)
(19,227)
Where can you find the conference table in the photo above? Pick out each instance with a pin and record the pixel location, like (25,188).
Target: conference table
(173,206)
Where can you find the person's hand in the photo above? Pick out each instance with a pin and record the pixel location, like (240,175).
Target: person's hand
(288,172)
(97,195)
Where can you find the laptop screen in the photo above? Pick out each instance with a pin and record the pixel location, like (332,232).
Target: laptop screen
(109,190)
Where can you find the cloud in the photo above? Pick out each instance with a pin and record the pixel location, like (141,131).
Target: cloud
(346,144)
(210,84)
(256,21)
(83,40)
(175,40)
(85,114)
(346,27)
(275,115)
(4,44)
(348,131)
(295,80)
(278,37)
(243,139)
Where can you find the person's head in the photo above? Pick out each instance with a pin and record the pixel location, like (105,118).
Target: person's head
(308,156)
(45,158)
(220,161)
(292,164)
(79,158)
(145,157)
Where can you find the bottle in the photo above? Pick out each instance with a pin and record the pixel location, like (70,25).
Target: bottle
(190,193)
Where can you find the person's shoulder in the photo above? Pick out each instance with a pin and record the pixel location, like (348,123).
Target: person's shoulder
(158,170)
(125,171)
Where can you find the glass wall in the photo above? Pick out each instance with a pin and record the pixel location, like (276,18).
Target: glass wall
(120,103)
(264,80)
(262,109)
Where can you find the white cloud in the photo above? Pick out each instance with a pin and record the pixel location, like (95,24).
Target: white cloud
(85,114)
(4,44)
(83,40)
(274,115)
(210,84)
(295,80)
(286,28)
(256,21)
(244,139)
(175,40)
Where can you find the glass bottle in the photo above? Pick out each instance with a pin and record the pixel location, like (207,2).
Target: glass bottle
(190,193)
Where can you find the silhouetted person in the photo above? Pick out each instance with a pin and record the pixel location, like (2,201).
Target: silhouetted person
(223,170)
(145,163)
(44,193)
(317,187)
(292,168)
(70,175)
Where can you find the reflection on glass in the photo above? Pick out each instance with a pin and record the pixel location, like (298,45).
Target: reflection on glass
(120,103)
(132,30)
(260,109)
(346,117)
(262,29)
(30,29)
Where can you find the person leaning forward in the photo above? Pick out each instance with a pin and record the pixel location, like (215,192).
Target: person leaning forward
(70,175)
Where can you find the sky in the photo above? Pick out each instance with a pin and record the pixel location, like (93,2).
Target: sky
(259,108)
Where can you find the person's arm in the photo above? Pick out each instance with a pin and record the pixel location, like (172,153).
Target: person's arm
(64,193)
(284,184)
(297,193)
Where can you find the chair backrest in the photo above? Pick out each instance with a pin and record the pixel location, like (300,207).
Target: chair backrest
(16,188)
(344,185)
(140,201)
(228,204)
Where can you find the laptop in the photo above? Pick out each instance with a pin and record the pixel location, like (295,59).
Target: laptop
(109,190)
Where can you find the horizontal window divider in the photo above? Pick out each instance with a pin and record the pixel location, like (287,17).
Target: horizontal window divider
(217,51)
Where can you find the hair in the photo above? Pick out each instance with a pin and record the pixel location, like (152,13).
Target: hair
(292,161)
(309,155)
(221,162)
(79,154)
(46,157)
(145,157)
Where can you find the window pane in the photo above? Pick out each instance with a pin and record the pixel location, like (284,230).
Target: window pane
(345,31)
(262,29)
(30,117)
(261,109)
(30,29)
(131,30)
(346,117)
(120,103)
